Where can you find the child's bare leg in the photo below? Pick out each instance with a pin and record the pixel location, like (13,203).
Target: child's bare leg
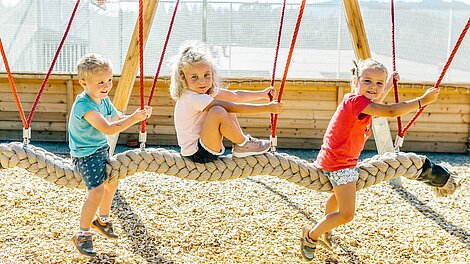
(93,201)
(346,200)
(109,190)
(234,118)
(331,206)
(218,124)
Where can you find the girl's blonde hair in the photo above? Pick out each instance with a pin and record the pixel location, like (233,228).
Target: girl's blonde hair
(190,53)
(361,66)
(92,64)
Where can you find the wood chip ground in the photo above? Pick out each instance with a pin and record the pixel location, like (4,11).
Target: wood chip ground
(163,219)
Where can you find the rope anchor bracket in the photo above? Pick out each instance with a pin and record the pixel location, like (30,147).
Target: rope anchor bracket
(26,135)
(142,139)
(399,142)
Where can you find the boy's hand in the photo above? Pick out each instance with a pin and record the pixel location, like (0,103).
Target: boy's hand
(275,107)
(142,114)
(430,96)
(268,93)
(148,110)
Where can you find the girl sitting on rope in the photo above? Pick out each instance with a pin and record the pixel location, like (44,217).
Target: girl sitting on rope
(93,116)
(204,112)
(344,140)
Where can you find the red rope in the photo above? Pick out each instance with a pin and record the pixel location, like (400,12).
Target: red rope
(273,77)
(141,57)
(289,57)
(395,86)
(162,56)
(43,85)
(444,70)
(13,86)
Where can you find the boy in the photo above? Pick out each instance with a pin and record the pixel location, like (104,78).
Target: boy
(93,116)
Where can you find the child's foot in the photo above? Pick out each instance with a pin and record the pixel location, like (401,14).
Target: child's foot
(105,228)
(253,146)
(307,245)
(84,244)
(325,241)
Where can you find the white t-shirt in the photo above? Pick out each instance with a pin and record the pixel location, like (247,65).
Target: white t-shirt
(189,118)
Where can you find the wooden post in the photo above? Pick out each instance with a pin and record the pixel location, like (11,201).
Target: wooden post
(356,29)
(129,69)
(380,127)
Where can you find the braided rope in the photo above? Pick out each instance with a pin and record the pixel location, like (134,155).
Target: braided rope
(61,171)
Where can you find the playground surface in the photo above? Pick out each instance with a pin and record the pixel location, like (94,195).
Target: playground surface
(163,219)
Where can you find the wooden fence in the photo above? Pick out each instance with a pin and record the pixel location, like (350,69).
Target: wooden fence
(309,105)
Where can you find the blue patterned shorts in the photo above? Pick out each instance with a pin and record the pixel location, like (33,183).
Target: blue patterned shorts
(341,177)
(92,168)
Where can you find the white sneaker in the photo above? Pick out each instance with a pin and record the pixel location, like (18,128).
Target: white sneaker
(253,146)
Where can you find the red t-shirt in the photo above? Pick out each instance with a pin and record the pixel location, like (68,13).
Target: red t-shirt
(346,134)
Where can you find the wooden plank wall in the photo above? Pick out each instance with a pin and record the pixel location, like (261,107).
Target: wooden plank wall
(443,127)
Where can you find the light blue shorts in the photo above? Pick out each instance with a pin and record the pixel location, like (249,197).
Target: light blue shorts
(341,177)
(92,168)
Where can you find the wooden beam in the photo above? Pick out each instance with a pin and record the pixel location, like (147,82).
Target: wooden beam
(129,69)
(356,29)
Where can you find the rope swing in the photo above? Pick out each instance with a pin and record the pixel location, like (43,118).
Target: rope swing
(374,170)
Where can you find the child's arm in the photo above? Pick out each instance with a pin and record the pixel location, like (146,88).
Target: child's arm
(117,125)
(241,96)
(246,108)
(398,109)
(388,86)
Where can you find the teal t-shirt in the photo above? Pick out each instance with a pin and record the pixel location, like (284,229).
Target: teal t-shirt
(84,139)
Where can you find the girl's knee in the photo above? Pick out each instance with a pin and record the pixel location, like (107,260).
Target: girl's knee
(217,111)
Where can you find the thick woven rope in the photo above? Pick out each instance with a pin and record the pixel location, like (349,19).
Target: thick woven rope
(61,171)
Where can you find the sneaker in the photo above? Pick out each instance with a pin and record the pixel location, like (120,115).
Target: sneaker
(253,146)
(307,245)
(84,244)
(105,228)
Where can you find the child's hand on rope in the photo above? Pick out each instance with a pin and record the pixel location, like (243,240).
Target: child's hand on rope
(430,96)
(393,76)
(142,114)
(148,110)
(275,107)
(269,92)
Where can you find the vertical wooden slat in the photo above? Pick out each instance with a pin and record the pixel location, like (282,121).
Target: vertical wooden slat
(69,101)
(340,94)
